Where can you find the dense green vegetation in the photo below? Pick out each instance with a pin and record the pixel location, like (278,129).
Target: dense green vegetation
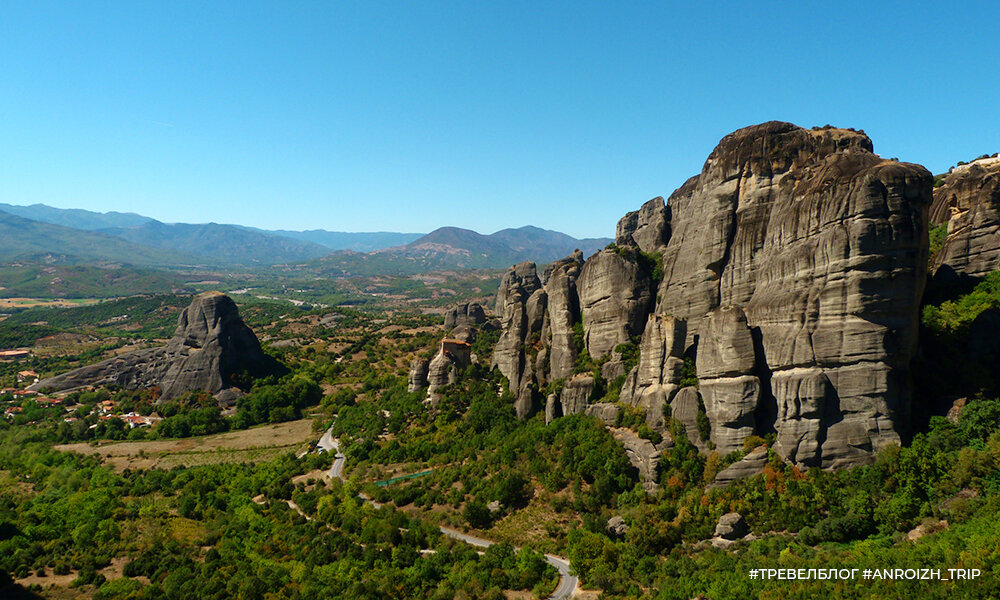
(40,280)
(199,533)
(960,345)
(480,453)
(848,518)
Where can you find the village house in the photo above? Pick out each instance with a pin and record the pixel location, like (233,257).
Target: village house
(8,355)
(27,377)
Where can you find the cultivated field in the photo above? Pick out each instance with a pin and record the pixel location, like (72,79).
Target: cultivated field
(251,445)
(49,302)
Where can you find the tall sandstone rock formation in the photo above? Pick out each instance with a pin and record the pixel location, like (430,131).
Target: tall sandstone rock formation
(792,268)
(969,203)
(211,343)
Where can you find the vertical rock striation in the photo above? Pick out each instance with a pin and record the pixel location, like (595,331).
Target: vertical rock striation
(823,246)
(795,261)
(658,375)
(969,202)
(615,294)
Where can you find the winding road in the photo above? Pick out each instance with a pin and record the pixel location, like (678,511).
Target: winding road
(568,583)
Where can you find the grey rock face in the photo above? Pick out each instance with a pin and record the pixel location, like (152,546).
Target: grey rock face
(647,229)
(642,455)
(684,409)
(748,466)
(577,394)
(470,314)
(617,527)
(823,245)
(443,369)
(731,526)
(615,298)
(516,288)
(605,411)
(658,374)
(564,311)
(210,344)
(725,377)
(522,276)
(553,409)
(417,379)
(969,202)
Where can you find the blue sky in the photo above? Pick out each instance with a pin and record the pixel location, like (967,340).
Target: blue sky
(408,116)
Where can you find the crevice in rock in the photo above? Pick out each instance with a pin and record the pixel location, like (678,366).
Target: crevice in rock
(766,414)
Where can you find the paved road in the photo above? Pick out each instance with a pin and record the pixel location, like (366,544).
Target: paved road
(567,582)
(330,444)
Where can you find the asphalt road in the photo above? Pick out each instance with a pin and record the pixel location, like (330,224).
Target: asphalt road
(329,444)
(567,582)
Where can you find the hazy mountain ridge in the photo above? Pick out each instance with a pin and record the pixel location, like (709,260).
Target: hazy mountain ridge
(27,238)
(77,218)
(221,243)
(362,241)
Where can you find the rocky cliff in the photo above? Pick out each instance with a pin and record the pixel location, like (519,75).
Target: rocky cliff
(792,268)
(969,203)
(210,345)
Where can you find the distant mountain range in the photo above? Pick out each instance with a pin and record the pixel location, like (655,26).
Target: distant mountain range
(28,239)
(74,236)
(342,240)
(453,248)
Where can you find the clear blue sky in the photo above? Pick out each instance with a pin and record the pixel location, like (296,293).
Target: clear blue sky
(408,116)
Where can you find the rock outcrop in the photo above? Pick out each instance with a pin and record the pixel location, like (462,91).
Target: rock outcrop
(210,345)
(643,455)
(969,203)
(684,409)
(470,314)
(823,246)
(417,379)
(615,296)
(577,394)
(748,466)
(563,312)
(729,389)
(604,412)
(796,259)
(647,229)
(521,313)
(444,367)
(654,380)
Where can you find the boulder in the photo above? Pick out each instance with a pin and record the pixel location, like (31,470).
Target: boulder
(731,526)
(606,412)
(750,465)
(210,344)
(617,527)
